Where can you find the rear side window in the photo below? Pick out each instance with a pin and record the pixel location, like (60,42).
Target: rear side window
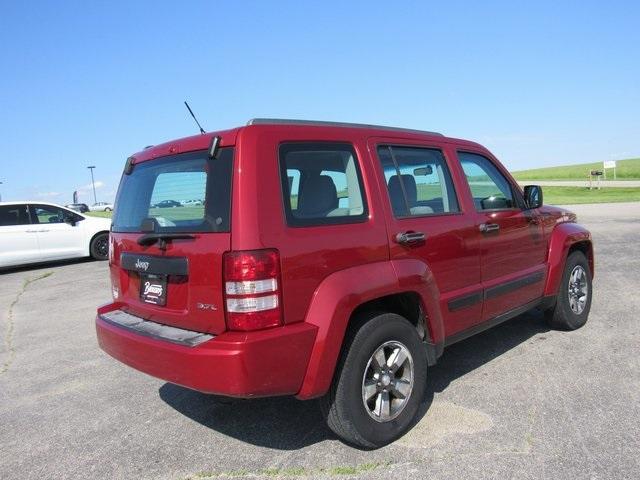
(418,181)
(321,184)
(489,188)
(183,193)
(11,215)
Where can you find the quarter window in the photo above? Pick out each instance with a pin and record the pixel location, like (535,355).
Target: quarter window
(418,181)
(321,184)
(489,188)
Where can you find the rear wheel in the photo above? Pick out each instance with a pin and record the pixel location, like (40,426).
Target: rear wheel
(379,383)
(107,209)
(574,296)
(99,247)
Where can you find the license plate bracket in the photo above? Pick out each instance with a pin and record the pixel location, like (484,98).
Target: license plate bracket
(153,289)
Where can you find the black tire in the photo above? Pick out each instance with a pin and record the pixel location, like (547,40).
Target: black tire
(99,247)
(107,209)
(562,316)
(343,405)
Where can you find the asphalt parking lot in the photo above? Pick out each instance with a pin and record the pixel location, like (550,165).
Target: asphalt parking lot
(518,401)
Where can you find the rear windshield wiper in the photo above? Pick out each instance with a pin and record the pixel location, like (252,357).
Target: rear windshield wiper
(163,238)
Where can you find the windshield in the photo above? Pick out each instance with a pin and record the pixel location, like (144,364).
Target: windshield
(183,193)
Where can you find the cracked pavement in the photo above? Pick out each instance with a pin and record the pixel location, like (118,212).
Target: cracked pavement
(517,401)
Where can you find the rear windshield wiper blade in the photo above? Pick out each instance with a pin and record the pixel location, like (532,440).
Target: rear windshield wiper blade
(151,238)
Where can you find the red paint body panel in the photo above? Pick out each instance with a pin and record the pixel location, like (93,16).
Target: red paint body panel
(236,364)
(563,236)
(450,246)
(328,271)
(202,285)
(341,293)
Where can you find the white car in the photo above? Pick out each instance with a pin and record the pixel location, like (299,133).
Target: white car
(101,207)
(191,203)
(33,232)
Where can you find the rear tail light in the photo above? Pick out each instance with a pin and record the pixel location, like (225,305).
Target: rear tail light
(252,291)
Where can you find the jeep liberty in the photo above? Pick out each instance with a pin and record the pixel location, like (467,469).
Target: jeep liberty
(328,260)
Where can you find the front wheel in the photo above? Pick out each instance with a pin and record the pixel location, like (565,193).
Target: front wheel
(107,209)
(99,247)
(379,382)
(574,295)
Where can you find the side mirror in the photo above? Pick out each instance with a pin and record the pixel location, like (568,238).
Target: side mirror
(533,196)
(71,219)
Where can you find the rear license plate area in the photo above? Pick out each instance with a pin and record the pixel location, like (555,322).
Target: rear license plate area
(153,289)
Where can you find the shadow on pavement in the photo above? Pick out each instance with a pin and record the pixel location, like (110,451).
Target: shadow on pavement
(284,423)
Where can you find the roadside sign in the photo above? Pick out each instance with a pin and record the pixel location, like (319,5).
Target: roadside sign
(609,164)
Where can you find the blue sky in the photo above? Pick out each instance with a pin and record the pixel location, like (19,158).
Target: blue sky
(88,83)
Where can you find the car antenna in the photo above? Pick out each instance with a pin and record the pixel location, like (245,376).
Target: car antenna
(194,117)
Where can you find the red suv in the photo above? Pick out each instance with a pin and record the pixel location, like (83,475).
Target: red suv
(328,260)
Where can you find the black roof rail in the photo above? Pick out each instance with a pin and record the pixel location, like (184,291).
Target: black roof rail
(290,121)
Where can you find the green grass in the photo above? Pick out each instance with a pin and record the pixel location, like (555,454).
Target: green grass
(99,214)
(575,195)
(625,170)
(178,213)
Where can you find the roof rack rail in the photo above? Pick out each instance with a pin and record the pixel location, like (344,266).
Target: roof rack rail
(290,121)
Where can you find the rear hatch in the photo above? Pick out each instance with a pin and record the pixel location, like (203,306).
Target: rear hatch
(170,229)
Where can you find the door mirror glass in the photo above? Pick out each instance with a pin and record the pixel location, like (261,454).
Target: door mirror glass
(533,196)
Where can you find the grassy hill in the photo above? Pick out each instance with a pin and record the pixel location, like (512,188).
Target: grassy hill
(626,170)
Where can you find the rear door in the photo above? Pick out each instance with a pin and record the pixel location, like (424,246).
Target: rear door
(57,239)
(18,239)
(426,222)
(173,281)
(511,238)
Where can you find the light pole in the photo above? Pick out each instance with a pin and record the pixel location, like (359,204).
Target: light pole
(93,183)
(0,193)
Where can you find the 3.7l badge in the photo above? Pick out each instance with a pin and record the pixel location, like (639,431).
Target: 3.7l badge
(206,306)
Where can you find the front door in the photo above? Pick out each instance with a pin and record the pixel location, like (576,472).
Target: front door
(425,221)
(57,239)
(513,259)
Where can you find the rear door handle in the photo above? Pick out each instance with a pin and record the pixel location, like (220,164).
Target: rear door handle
(410,238)
(489,227)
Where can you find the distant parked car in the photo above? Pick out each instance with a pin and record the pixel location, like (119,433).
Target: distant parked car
(191,203)
(33,232)
(168,204)
(78,207)
(101,207)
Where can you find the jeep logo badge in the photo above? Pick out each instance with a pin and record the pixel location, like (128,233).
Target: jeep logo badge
(140,265)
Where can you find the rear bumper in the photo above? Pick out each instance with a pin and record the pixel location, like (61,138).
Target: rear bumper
(263,363)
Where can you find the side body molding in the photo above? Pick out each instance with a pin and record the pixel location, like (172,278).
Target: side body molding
(341,293)
(562,238)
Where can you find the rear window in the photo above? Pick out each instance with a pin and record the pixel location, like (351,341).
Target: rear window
(183,193)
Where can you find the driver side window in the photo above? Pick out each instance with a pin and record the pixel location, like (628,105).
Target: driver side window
(48,214)
(489,188)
